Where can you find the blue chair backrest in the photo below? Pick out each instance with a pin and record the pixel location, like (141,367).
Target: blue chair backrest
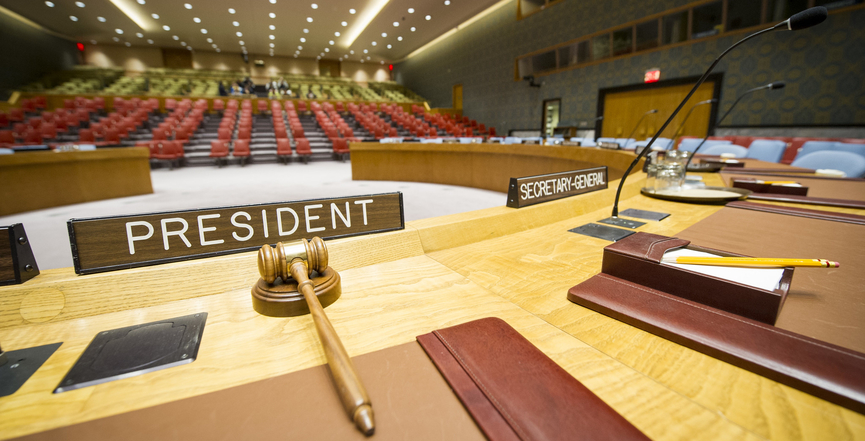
(624,142)
(858,149)
(850,163)
(720,149)
(815,146)
(6,151)
(690,144)
(431,141)
(665,143)
(607,140)
(512,140)
(769,150)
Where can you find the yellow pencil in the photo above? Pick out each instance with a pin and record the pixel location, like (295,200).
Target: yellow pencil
(777,182)
(752,262)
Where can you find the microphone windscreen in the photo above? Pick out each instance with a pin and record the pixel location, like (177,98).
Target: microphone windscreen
(807,18)
(652,111)
(777,85)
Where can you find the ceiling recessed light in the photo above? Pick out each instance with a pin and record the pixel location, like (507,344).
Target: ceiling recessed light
(428,17)
(128,44)
(231,10)
(101,19)
(318,57)
(119,31)
(382,62)
(73,18)
(398,38)
(149,41)
(365,51)
(272,45)
(92,41)
(336,34)
(175,37)
(395,24)
(411,10)
(187,6)
(368,58)
(306,31)
(235,23)
(166,28)
(389,46)
(183,43)
(302,40)
(447,2)
(49,4)
(241,42)
(361,60)
(331,42)
(351,52)
(210,40)
(272,2)
(139,35)
(384,35)
(352,11)
(214,45)
(116,39)
(204,31)
(374,43)
(155,16)
(300,48)
(272,37)
(413,29)
(327,49)
(309,19)
(272,27)
(239,34)
(79,4)
(189,48)
(345,23)
(295,55)
(217,50)
(314,6)
(271,15)
(196,19)
(141,2)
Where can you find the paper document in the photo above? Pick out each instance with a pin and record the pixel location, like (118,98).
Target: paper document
(763,278)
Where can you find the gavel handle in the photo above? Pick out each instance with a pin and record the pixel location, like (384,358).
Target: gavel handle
(351,391)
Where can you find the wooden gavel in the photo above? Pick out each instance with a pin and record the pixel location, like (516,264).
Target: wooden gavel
(298,260)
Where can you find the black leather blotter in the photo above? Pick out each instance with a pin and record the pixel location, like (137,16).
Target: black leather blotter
(514,391)
(821,369)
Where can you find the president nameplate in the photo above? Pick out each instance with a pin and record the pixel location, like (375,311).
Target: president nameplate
(120,242)
(531,190)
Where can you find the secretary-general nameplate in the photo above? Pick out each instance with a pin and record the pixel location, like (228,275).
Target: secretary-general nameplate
(120,242)
(531,190)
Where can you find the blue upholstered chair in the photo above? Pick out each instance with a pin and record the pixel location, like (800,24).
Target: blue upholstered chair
(690,144)
(512,140)
(858,149)
(768,150)
(6,151)
(850,163)
(624,142)
(587,141)
(815,146)
(607,140)
(720,149)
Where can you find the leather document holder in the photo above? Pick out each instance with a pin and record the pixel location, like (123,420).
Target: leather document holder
(637,259)
(821,369)
(757,187)
(514,391)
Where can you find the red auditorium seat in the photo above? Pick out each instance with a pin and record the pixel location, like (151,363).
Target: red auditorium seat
(40,102)
(303,150)
(262,106)
(7,137)
(224,134)
(68,104)
(340,148)
(32,137)
(392,132)
(112,136)
(280,132)
(218,105)
(35,123)
(241,150)
(301,106)
(170,104)
(61,124)
(289,106)
(4,119)
(297,132)
(170,151)
(219,151)
(48,131)
(283,149)
(244,133)
(86,135)
(28,105)
(160,134)
(16,114)
(492,131)
(182,134)
(246,105)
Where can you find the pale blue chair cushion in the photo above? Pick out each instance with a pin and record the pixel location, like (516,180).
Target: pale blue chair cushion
(815,146)
(690,144)
(769,150)
(850,163)
(721,149)
(858,149)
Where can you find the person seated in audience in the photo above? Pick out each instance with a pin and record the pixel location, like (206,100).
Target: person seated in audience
(272,89)
(310,95)
(283,85)
(222,90)
(248,86)
(236,89)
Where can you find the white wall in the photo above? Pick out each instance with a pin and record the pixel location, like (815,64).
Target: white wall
(364,72)
(132,59)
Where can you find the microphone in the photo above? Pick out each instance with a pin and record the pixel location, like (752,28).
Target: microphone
(638,124)
(681,126)
(802,20)
(770,86)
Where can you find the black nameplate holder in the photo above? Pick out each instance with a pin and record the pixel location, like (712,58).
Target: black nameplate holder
(17,264)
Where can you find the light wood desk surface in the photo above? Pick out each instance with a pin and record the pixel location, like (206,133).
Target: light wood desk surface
(439,272)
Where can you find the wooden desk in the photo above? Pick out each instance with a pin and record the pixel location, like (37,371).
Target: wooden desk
(486,166)
(36,180)
(503,262)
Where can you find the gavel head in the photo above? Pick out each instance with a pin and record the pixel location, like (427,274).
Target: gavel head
(274,262)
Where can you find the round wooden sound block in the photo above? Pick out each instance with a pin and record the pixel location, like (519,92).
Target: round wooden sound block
(281,299)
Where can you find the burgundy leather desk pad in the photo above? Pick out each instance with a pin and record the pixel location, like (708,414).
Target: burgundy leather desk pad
(827,304)
(818,187)
(410,400)
(514,391)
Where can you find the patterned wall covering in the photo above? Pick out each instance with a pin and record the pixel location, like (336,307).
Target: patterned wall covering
(824,67)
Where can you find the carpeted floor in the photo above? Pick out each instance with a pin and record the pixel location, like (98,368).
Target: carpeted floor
(208,187)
